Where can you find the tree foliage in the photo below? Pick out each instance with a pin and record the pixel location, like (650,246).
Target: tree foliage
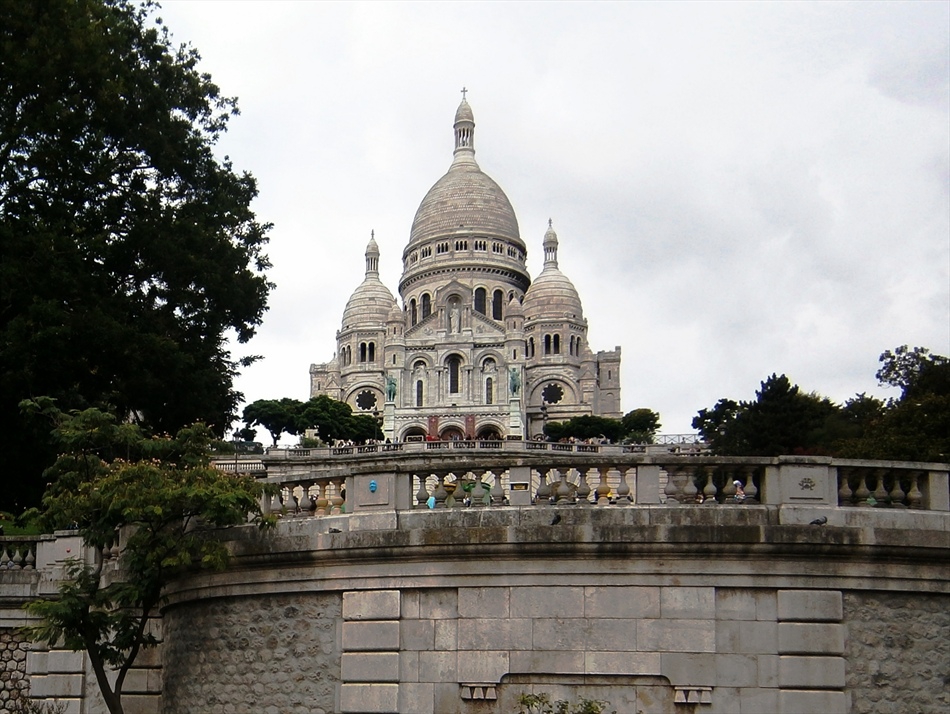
(639,425)
(130,252)
(784,420)
(331,418)
(160,501)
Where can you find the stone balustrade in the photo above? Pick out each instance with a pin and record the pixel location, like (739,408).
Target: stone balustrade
(487,474)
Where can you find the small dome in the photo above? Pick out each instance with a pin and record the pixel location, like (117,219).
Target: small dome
(515,308)
(552,294)
(464,113)
(371,302)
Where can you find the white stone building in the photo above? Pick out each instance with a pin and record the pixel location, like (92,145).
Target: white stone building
(477,349)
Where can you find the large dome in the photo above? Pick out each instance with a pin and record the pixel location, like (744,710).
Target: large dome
(552,294)
(465,199)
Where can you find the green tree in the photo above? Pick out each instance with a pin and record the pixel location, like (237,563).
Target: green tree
(640,426)
(335,420)
(275,415)
(130,252)
(586,427)
(162,510)
(781,420)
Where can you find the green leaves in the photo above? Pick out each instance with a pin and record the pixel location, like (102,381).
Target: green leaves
(160,500)
(129,250)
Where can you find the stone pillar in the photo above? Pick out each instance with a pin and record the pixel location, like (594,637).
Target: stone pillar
(515,418)
(519,486)
(389,421)
(369,665)
(811,667)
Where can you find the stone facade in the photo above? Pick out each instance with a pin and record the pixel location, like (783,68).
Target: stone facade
(13,682)
(898,652)
(266,655)
(477,349)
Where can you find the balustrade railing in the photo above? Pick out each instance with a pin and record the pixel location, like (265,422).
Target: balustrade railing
(476,474)
(18,552)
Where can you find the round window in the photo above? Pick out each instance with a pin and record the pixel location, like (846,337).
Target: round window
(552,393)
(366,400)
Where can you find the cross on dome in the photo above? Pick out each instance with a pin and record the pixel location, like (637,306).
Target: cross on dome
(464,90)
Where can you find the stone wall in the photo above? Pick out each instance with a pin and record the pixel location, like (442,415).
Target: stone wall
(13,681)
(276,654)
(898,652)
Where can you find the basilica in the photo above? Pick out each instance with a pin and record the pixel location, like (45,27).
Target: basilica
(477,349)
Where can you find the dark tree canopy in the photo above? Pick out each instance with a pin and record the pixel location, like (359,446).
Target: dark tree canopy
(639,425)
(129,251)
(784,420)
(331,418)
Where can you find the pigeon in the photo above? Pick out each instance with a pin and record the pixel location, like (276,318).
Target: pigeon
(335,530)
(819,521)
(556,519)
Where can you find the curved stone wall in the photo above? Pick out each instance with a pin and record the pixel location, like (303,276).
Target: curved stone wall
(13,681)
(649,609)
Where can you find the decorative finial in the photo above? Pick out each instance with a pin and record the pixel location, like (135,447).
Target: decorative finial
(372,232)
(464,90)
(550,223)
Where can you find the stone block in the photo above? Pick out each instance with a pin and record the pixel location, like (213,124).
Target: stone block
(373,491)
(439,604)
(553,601)
(57,686)
(369,698)
(64,661)
(142,704)
(416,634)
(735,604)
(810,605)
(369,667)
(758,638)
(768,671)
(487,667)
(409,604)
(629,663)
(483,602)
(616,602)
(149,657)
(688,603)
(371,605)
(683,670)
(797,701)
(612,635)
(364,521)
(409,666)
(796,672)
(136,681)
(372,635)
(36,662)
(446,634)
(560,634)
(766,606)
(556,662)
(810,638)
(478,634)
(65,705)
(737,670)
(727,636)
(758,701)
(647,484)
(439,666)
(676,635)
(416,698)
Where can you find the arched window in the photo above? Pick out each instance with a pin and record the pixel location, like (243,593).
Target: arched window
(480,300)
(547,344)
(530,347)
(362,351)
(413,316)
(426,305)
(418,392)
(557,344)
(454,365)
(496,299)
(578,345)
(571,347)
(489,391)
(372,352)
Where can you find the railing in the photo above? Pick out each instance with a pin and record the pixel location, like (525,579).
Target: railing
(18,552)
(595,475)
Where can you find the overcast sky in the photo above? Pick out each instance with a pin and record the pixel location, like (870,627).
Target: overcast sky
(738,189)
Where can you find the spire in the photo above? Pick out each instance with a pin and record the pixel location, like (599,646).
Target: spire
(464,132)
(372,256)
(550,246)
